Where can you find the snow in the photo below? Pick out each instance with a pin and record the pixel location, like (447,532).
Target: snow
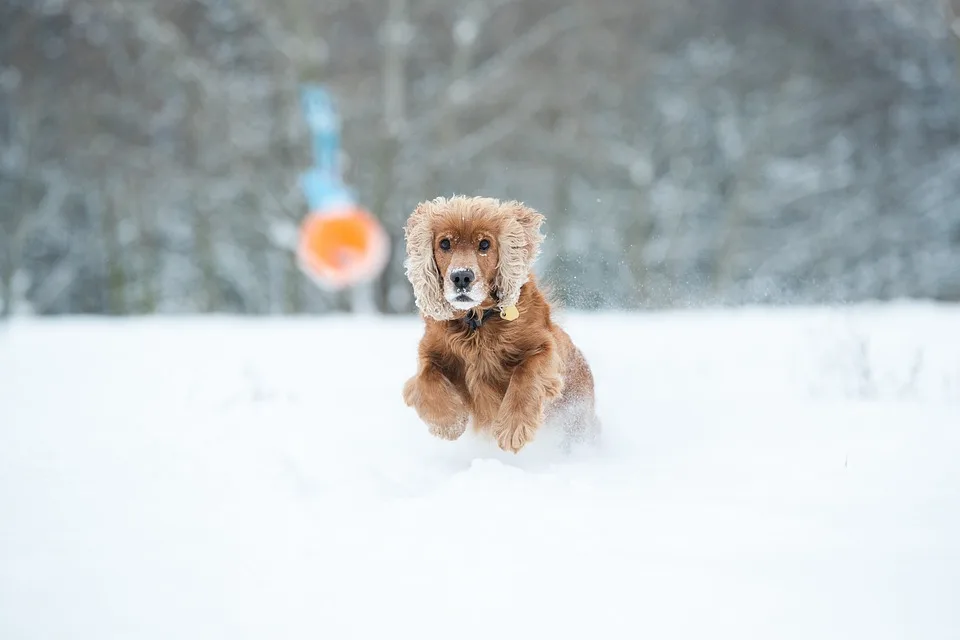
(774,474)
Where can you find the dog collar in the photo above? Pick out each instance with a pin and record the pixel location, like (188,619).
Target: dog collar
(473,321)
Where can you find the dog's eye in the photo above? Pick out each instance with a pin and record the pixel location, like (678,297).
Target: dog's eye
(484,245)
(445,244)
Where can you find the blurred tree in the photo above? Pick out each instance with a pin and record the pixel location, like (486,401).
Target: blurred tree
(684,152)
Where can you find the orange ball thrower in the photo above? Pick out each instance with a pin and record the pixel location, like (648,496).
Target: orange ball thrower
(342,247)
(340,243)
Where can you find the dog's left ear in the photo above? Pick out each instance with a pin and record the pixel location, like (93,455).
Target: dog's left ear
(519,247)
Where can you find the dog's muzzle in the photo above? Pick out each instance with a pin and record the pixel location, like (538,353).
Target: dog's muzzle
(463,291)
(462,279)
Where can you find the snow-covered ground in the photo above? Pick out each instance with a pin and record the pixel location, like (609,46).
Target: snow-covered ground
(768,474)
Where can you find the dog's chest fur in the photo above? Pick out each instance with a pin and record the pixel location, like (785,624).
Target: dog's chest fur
(480,363)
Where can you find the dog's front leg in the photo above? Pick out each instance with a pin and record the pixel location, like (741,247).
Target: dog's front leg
(437,402)
(534,381)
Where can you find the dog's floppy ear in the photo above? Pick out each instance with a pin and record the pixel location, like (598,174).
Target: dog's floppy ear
(421,269)
(519,246)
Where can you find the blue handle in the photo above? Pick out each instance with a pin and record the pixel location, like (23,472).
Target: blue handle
(324,191)
(322,185)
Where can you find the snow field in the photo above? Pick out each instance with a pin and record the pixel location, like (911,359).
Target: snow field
(775,474)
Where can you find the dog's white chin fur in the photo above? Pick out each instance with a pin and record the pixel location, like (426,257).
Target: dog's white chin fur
(462,305)
(476,295)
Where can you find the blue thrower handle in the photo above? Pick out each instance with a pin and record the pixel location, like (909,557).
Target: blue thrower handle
(324,191)
(322,185)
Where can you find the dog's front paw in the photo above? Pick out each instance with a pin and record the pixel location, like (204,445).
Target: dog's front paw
(515,431)
(449,431)
(410,392)
(439,405)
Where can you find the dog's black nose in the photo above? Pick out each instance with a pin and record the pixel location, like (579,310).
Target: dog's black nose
(462,278)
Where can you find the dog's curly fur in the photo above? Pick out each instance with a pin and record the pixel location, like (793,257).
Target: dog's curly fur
(507,377)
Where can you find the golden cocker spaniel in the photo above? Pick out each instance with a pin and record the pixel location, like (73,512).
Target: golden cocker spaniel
(490,351)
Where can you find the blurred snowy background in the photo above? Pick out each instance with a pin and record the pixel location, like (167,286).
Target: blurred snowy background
(684,152)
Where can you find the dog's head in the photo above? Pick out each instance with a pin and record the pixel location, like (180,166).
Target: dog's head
(465,252)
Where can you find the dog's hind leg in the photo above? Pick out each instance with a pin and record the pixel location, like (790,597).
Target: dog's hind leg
(576,421)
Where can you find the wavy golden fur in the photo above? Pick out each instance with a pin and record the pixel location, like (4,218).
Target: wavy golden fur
(469,258)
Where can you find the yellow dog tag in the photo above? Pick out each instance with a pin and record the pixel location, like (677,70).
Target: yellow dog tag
(509,313)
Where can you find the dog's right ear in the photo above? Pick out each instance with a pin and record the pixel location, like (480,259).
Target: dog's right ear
(420,266)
